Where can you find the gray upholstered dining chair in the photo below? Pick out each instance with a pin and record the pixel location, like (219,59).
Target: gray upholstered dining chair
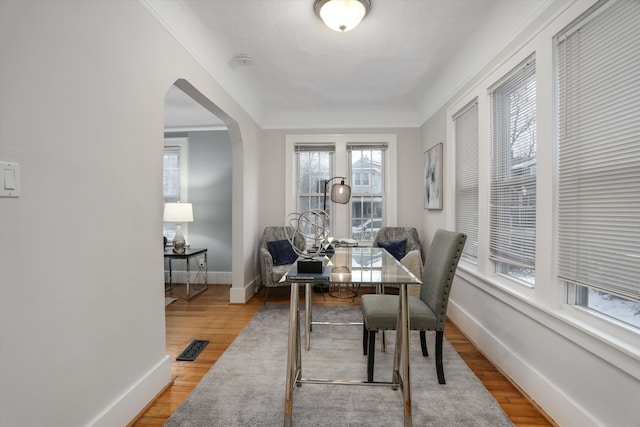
(277,256)
(426,313)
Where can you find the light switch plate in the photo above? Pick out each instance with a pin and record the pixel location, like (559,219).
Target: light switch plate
(9,179)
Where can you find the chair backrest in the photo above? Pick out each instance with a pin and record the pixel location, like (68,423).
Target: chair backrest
(439,270)
(271,234)
(386,234)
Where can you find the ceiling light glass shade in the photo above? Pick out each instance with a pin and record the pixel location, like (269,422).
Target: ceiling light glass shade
(342,15)
(178,212)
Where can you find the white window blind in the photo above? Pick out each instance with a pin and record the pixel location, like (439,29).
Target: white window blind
(174,181)
(171,174)
(466,139)
(599,150)
(513,173)
(367,146)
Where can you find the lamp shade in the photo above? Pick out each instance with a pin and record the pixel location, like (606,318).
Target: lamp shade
(342,15)
(178,212)
(340,193)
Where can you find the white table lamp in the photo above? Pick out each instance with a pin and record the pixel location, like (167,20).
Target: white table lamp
(178,213)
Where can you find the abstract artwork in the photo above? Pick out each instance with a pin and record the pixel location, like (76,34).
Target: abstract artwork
(433,178)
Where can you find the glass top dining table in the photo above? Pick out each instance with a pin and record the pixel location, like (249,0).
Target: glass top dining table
(357,266)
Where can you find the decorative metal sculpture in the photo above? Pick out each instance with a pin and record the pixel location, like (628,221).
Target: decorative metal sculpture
(312,225)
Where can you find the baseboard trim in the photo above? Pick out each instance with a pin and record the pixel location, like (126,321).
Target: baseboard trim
(508,378)
(520,373)
(127,406)
(213,277)
(240,295)
(151,402)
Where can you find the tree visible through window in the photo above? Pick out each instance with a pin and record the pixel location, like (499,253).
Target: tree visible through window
(314,166)
(513,174)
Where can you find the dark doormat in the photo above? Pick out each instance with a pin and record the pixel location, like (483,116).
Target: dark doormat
(193,350)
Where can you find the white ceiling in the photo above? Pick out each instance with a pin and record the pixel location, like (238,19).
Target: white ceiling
(397,68)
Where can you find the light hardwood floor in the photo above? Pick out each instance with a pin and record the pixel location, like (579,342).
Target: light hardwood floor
(209,316)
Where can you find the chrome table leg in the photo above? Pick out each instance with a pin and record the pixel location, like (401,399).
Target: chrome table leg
(293,354)
(307,316)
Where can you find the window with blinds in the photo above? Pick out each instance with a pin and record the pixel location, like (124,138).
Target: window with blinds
(314,167)
(513,174)
(171,174)
(174,180)
(367,189)
(466,175)
(598,80)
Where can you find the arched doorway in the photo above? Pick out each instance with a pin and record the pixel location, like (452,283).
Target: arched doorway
(203,175)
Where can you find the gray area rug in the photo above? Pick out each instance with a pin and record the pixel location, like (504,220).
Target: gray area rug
(246,386)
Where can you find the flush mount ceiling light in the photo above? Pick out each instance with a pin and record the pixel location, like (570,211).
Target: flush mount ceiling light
(342,15)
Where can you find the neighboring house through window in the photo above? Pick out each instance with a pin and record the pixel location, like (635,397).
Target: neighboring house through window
(367,192)
(364,160)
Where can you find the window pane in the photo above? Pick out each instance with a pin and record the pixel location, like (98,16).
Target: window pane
(366,217)
(171,175)
(599,156)
(616,307)
(366,171)
(466,139)
(314,168)
(170,185)
(366,192)
(513,174)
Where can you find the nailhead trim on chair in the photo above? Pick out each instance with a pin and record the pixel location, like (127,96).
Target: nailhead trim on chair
(369,335)
(452,270)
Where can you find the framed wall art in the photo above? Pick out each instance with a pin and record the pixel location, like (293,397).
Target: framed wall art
(433,177)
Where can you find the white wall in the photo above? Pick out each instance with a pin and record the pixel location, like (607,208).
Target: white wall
(82,89)
(580,369)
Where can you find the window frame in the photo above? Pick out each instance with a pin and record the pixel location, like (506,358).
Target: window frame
(341,218)
(548,299)
(581,284)
(318,176)
(503,252)
(368,194)
(466,186)
(546,304)
(183,144)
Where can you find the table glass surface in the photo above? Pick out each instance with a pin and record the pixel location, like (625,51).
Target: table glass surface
(361,265)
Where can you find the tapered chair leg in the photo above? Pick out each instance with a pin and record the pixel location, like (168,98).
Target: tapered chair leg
(371,354)
(266,294)
(423,343)
(439,367)
(365,339)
